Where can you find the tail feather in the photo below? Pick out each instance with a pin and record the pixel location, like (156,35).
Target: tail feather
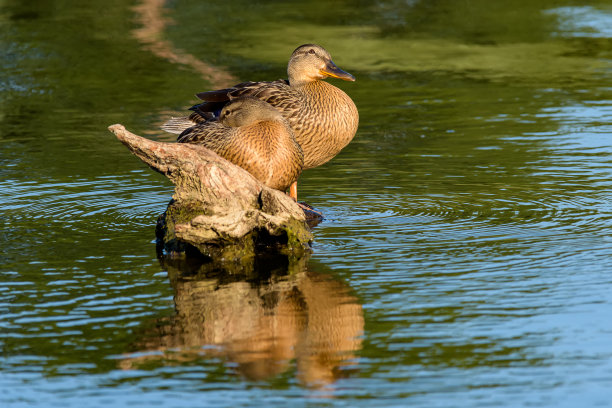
(178,125)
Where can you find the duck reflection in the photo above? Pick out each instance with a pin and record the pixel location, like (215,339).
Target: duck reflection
(278,312)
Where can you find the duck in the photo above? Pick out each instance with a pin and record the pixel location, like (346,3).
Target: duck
(324,119)
(252,134)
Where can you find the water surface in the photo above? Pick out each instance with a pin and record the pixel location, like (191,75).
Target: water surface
(465,258)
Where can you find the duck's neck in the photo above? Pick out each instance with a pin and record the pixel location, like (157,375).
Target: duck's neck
(298,83)
(313,88)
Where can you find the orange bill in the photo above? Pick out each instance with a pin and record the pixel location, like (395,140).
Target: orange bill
(331,70)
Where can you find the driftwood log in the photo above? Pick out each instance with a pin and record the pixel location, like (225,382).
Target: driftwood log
(218,208)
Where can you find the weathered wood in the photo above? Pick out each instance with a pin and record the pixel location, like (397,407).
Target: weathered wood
(217,207)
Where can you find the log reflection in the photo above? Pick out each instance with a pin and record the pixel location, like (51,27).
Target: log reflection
(262,321)
(153,20)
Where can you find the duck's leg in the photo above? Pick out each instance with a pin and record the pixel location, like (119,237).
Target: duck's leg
(305,207)
(293,190)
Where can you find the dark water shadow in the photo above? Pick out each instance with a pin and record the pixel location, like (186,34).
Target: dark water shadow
(278,316)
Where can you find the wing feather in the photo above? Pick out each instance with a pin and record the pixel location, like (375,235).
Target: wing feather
(209,134)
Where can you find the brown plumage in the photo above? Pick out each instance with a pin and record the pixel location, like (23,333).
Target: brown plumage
(253,135)
(323,118)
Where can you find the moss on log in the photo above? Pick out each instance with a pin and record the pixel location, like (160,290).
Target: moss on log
(218,209)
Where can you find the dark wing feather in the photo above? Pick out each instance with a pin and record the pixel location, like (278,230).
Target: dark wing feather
(207,110)
(241,89)
(209,134)
(277,93)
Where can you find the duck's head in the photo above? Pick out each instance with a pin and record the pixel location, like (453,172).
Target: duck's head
(247,110)
(311,62)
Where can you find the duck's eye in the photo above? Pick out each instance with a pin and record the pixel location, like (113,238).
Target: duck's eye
(227,112)
(311,51)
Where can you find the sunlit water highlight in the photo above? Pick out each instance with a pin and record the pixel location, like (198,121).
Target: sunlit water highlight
(465,257)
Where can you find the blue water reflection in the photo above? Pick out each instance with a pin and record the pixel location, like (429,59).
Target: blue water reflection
(465,255)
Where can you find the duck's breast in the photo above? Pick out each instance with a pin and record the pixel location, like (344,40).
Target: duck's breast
(269,152)
(327,121)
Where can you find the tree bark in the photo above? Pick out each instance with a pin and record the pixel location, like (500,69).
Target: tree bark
(218,208)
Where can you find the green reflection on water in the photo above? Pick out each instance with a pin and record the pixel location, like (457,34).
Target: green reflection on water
(469,216)
(458,37)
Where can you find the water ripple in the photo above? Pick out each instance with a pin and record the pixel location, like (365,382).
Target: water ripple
(117,200)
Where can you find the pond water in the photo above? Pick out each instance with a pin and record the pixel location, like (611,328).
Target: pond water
(466,255)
